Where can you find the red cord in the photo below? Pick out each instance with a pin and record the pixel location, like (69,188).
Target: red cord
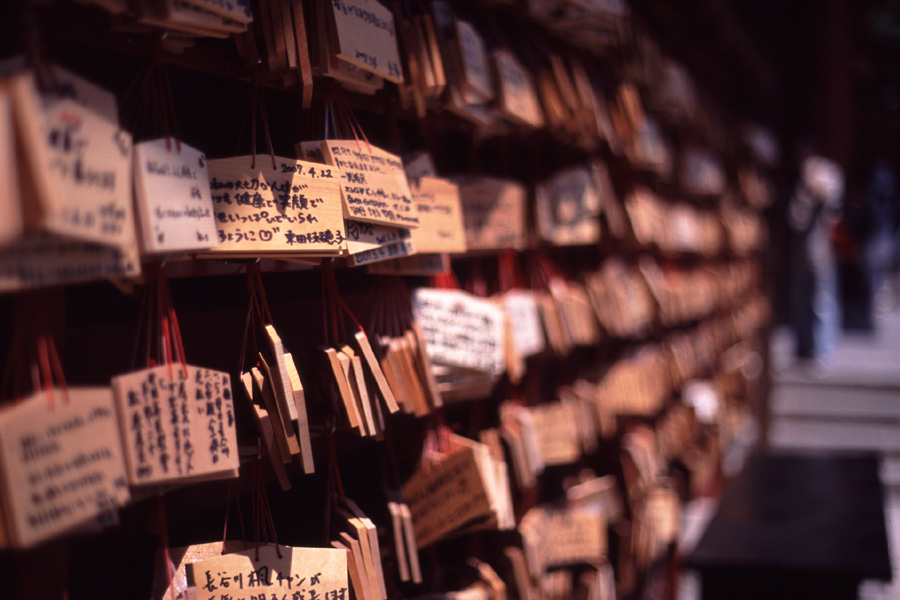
(164,541)
(44,363)
(167,86)
(57,368)
(336,472)
(358,126)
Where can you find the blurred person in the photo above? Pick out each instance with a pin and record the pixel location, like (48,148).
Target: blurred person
(880,244)
(813,209)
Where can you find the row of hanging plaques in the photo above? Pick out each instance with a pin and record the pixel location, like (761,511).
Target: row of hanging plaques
(81,201)
(85,202)
(79,192)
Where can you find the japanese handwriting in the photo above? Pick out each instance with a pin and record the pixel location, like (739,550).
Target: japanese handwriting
(294,574)
(63,465)
(266,210)
(178,422)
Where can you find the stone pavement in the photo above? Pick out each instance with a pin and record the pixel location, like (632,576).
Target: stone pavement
(852,403)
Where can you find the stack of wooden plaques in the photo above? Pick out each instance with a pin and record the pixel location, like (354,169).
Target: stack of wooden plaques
(405,548)
(277,399)
(359,539)
(358,381)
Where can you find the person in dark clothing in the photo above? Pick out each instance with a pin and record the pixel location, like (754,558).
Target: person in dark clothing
(813,207)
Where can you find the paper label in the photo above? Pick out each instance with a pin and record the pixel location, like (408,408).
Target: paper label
(174,199)
(419,165)
(63,465)
(369,243)
(381,253)
(175,424)
(362,237)
(71,86)
(293,208)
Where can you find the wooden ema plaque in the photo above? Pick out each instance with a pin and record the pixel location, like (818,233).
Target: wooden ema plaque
(191,17)
(83,158)
(361,537)
(446,496)
(518,100)
(238,10)
(70,218)
(461,330)
(418,264)
(441,228)
(564,536)
(363,34)
(177,588)
(176,424)
(374,188)
(647,215)
(13,222)
(62,465)
(291,209)
(557,428)
(470,57)
(528,332)
(323,59)
(637,384)
(172,193)
(297,573)
(567,208)
(495,213)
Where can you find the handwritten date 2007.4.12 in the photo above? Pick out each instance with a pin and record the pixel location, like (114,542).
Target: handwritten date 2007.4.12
(310,172)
